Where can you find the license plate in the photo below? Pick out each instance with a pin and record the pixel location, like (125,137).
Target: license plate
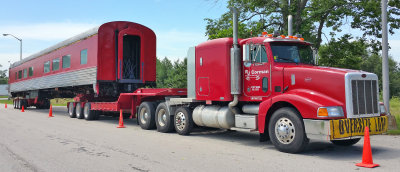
(342,128)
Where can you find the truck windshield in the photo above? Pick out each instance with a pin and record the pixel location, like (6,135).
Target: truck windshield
(292,53)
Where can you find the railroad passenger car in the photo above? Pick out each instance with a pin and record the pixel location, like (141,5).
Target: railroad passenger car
(98,64)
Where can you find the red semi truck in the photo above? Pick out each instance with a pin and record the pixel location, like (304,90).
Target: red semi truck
(267,84)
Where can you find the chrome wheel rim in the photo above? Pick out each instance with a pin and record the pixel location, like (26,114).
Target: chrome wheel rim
(285,131)
(71,109)
(86,112)
(162,117)
(143,115)
(78,110)
(180,121)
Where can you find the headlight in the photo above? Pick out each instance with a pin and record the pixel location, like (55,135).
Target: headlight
(382,108)
(331,111)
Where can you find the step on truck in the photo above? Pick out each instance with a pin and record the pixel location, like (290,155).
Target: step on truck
(268,84)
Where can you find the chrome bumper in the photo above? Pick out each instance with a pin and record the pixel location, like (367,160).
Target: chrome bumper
(317,129)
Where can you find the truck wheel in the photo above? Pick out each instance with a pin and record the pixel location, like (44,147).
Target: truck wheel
(286,130)
(183,121)
(349,142)
(79,111)
(146,115)
(164,121)
(71,110)
(87,113)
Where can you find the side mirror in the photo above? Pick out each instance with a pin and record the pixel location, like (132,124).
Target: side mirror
(315,55)
(246,53)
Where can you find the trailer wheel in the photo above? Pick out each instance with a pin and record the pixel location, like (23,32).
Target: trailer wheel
(79,111)
(87,113)
(164,121)
(349,142)
(71,110)
(286,130)
(183,121)
(146,115)
(97,114)
(19,104)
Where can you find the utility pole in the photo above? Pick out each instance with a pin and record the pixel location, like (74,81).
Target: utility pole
(385,66)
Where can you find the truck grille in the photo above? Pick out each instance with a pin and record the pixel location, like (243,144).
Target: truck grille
(364,94)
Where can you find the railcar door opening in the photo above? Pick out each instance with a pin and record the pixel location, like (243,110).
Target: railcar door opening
(131,58)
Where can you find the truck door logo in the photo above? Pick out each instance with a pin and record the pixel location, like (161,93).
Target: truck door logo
(254,74)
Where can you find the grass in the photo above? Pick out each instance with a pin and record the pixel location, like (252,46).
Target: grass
(395,111)
(3,96)
(54,102)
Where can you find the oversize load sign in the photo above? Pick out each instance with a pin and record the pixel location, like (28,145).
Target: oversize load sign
(342,128)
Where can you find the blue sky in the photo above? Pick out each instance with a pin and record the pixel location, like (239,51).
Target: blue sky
(178,24)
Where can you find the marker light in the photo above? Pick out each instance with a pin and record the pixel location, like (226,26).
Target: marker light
(282,36)
(331,111)
(264,33)
(301,39)
(294,37)
(269,35)
(290,37)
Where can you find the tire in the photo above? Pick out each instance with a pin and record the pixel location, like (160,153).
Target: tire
(46,104)
(71,110)
(147,115)
(164,121)
(24,103)
(349,142)
(19,104)
(97,115)
(183,121)
(286,130)
(79,111)
(87,113)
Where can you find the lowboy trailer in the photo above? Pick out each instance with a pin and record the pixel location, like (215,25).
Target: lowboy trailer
(267,84)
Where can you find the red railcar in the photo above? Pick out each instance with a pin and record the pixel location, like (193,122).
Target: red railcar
(104,62)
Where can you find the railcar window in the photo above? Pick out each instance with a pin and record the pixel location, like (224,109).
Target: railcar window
(84,56)
(25,73)
(20,74)
(66,61)
(56,64)
(30,71)
(46,67)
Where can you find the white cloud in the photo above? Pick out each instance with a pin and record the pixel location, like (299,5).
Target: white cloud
(175,43)
(46,31)
(394,50)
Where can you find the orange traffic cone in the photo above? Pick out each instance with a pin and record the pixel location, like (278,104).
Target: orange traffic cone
(5,105)
(121,120)
(51,111)
(23,109)
(367,153)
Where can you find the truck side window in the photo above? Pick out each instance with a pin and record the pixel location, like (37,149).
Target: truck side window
(258,54)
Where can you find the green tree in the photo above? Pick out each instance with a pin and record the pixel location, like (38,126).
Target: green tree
(171,75)
(310,18)
(343,53)
(373,64)
(3,77)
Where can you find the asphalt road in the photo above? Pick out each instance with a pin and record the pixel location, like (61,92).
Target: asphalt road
(30,141)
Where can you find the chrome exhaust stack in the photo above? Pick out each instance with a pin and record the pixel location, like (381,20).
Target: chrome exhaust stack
(235,64)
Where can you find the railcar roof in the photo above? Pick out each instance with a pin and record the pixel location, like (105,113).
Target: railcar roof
(69,41)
